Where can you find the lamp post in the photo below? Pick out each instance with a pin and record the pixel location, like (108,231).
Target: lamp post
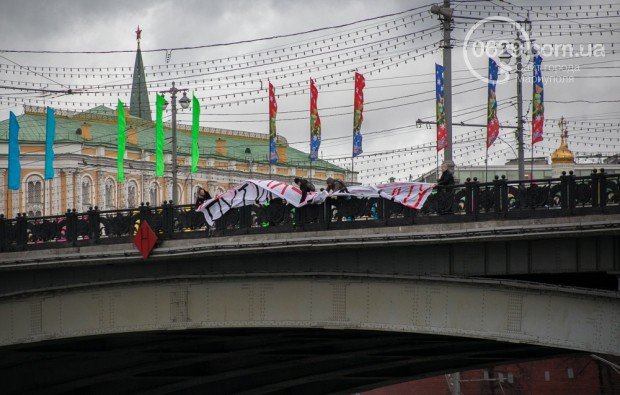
(445,14)
(505,58)
(249,159)
(184,102)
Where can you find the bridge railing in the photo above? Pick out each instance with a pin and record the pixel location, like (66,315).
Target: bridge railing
(470,201)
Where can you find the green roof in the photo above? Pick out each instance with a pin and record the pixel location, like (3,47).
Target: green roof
(104,133)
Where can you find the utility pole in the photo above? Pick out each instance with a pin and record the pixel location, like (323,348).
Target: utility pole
(521,156)
(184,101)
(445,14)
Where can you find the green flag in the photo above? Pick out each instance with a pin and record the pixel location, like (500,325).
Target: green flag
(159,136)
(120,109)
(195,133)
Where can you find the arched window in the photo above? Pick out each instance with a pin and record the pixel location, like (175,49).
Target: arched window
(110,194)
(132,194)
(219,191)
(87,193)
(154,194)
(34,196)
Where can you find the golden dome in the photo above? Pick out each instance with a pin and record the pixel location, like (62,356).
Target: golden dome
(563,154)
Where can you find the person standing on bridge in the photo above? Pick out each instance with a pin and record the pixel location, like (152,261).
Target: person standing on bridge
(445,183)
(202,196)
(446,179)
(335,185)
(305,186)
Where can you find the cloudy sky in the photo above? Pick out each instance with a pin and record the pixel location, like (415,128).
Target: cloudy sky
(396,96)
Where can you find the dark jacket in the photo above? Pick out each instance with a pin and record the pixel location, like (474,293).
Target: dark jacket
(305,186)
(201,199)
(337,185)
(446,179)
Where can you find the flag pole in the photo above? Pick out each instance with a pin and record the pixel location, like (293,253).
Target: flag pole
(532,163)
(437,166)
(486,166)
(352,167)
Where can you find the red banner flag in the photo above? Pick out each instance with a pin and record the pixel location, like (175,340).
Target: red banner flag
(358,117)
(273,111)
(315,122)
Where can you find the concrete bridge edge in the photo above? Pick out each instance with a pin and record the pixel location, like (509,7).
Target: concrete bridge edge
(510,311)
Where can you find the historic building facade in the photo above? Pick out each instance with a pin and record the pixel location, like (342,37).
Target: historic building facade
(85,162)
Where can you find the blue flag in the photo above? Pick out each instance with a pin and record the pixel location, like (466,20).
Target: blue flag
(50,132)
(492,121)
(15,168)
(442,133)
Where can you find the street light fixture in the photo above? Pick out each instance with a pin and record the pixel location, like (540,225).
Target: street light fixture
(184,101)
(505,56)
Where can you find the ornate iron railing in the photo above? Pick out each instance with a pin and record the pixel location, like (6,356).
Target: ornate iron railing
(470,201)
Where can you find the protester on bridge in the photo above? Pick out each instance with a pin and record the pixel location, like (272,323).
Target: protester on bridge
(335,185)
(202,196)
(446,178)
(444,196)
(305,186)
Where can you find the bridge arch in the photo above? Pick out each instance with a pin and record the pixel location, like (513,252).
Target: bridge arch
(487,309)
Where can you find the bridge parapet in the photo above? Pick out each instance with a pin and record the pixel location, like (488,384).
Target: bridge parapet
(568,195)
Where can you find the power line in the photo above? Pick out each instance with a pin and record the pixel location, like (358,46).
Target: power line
(246,41)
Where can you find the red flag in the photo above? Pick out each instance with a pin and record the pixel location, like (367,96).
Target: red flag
(145,239)
(358,110)
(315,122)
(273,110)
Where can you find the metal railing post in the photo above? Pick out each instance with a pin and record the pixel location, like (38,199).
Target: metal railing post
(21,231)
(71,231)
(3,233)
(572,187)
(497,196)
(167,215)
(475,198)
(327,212)
(504,194)
(594,188)
(602,187)
(94,221)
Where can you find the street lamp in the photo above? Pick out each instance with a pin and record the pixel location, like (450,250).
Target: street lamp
(249,158)
(505,57)
(184,102)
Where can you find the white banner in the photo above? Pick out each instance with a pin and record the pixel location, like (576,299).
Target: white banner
(410,194)
(256,191)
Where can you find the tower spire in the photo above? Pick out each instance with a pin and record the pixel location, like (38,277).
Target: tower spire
(139,103)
